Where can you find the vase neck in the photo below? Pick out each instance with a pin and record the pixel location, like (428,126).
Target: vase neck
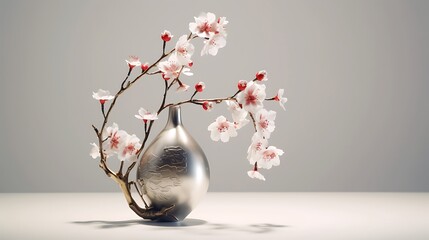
(174,117)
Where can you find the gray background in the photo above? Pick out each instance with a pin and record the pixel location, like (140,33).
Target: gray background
(355,72)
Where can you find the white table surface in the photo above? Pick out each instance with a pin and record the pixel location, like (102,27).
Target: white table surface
(262,216)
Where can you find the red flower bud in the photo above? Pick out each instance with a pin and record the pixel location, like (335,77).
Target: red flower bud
(261,75)
(166,36)
(242,85)
(199,87)
(207,105)
(145,66)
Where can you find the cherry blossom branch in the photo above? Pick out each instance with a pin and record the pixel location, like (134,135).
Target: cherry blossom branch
(200,101)
(140,194)
(253,120)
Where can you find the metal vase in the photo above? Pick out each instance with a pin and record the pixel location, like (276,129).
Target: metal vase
(173,170)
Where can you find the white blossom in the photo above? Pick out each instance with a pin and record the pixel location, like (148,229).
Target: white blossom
(270,157)
(184,50)
(133,61)
(238,114)
(146,115)
(95,151)
(102,95)
(205,25)
(129,147)
(256,174)
(252,97)
(221,22)
(222,129)
(258,145)
(171,68)
(279,98)
(115,138)
(264,121)
(213,44)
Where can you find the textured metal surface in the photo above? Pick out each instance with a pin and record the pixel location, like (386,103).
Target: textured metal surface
(174,170)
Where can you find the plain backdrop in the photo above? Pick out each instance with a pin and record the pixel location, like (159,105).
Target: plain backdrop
(355,73)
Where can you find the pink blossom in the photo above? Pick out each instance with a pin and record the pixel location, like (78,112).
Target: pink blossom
(199,87)
(133,61)
(171,68)
(222,129)
(102,96)
(166,36)
(129,147)
(184,50)
(264,121)
(270,157)
(238,114)
(115,138)
(252,97)
(205,25)
(213,44)
(254,152)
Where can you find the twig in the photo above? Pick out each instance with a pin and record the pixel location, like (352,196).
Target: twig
(140,194)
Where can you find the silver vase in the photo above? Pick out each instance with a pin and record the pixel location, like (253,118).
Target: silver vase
(173,170)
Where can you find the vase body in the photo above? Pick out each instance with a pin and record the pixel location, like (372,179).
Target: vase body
(173,170)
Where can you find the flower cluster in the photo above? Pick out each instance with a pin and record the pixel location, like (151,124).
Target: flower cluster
(118,142)
(250,102)
(246,105)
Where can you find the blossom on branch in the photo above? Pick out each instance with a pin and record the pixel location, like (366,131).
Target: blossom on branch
(264,121)
(102,95)
(270,157)
(115,138)
(145,66)
(254,152)
(146,115)
(207,105)
(166,36)
(222,129)
(184,50)
(128,150)
(182,87)
(205,25)
(242,85)
(213,44)
(279,98)
(133,61)
(252,97)
(238,114)
(172,68)
(199,87)
(261,75)
(213,30)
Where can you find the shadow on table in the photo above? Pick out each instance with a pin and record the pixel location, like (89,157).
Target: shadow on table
(117,224)
(188,222)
